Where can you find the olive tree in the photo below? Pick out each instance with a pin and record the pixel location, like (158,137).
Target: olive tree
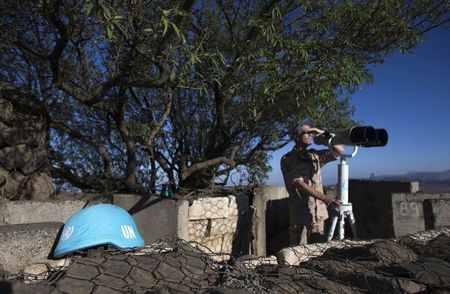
(138,91)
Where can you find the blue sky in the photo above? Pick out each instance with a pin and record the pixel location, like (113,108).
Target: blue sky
(410,98)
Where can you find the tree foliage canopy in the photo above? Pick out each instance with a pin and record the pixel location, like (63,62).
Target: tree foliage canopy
(141,91)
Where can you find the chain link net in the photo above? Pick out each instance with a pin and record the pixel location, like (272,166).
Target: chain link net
(220,223)
(413,264)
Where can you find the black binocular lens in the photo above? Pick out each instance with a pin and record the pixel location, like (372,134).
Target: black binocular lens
(368,136)
(381,139)
(364,136)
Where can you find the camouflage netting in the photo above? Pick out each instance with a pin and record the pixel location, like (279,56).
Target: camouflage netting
(418,263)
(24,164)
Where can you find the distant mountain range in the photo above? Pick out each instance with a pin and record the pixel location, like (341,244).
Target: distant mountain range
(420,176)
(428,181)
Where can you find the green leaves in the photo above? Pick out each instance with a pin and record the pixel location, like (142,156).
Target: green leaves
(168,22)
(165,21)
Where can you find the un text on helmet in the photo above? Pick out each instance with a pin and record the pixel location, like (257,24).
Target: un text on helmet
(128,232)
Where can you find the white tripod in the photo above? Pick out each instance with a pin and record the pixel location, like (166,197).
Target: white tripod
(345,210)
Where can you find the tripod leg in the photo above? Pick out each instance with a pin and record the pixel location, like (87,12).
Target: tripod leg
(352,221)
(341,226)
(332,228)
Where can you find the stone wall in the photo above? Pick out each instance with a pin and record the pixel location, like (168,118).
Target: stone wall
(24,164)
(236,225)
(221,224)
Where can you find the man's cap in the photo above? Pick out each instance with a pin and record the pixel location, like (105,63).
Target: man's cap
(307,121)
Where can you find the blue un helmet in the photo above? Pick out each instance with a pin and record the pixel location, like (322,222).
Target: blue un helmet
(98,225)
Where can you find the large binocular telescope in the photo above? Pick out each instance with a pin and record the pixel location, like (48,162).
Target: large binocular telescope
(364,136)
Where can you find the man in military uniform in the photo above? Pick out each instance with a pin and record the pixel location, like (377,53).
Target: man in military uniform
(303,180)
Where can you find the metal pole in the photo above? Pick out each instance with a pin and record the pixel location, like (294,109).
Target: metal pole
(343,181)
(342,194)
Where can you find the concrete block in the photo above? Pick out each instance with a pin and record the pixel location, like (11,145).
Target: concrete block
(268,216)
(408,217)
(440,209)
(414,187)
(86,197)
(222,226)
(22,212)
(417,212)
(26,244)
(198,228)
(213,207)
(236,227)
(222,245)
(156,217)
(212,227)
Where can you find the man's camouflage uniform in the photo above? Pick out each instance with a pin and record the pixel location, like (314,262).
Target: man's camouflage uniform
(307,214)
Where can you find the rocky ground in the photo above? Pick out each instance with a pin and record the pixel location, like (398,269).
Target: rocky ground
(409,265)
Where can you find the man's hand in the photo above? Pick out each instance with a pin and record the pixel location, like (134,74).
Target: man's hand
(334,202)
(316,131)
(321,136)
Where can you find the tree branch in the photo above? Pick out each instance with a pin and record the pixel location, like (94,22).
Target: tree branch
(119,118)
(186,172)
(159,125)
(61,43)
